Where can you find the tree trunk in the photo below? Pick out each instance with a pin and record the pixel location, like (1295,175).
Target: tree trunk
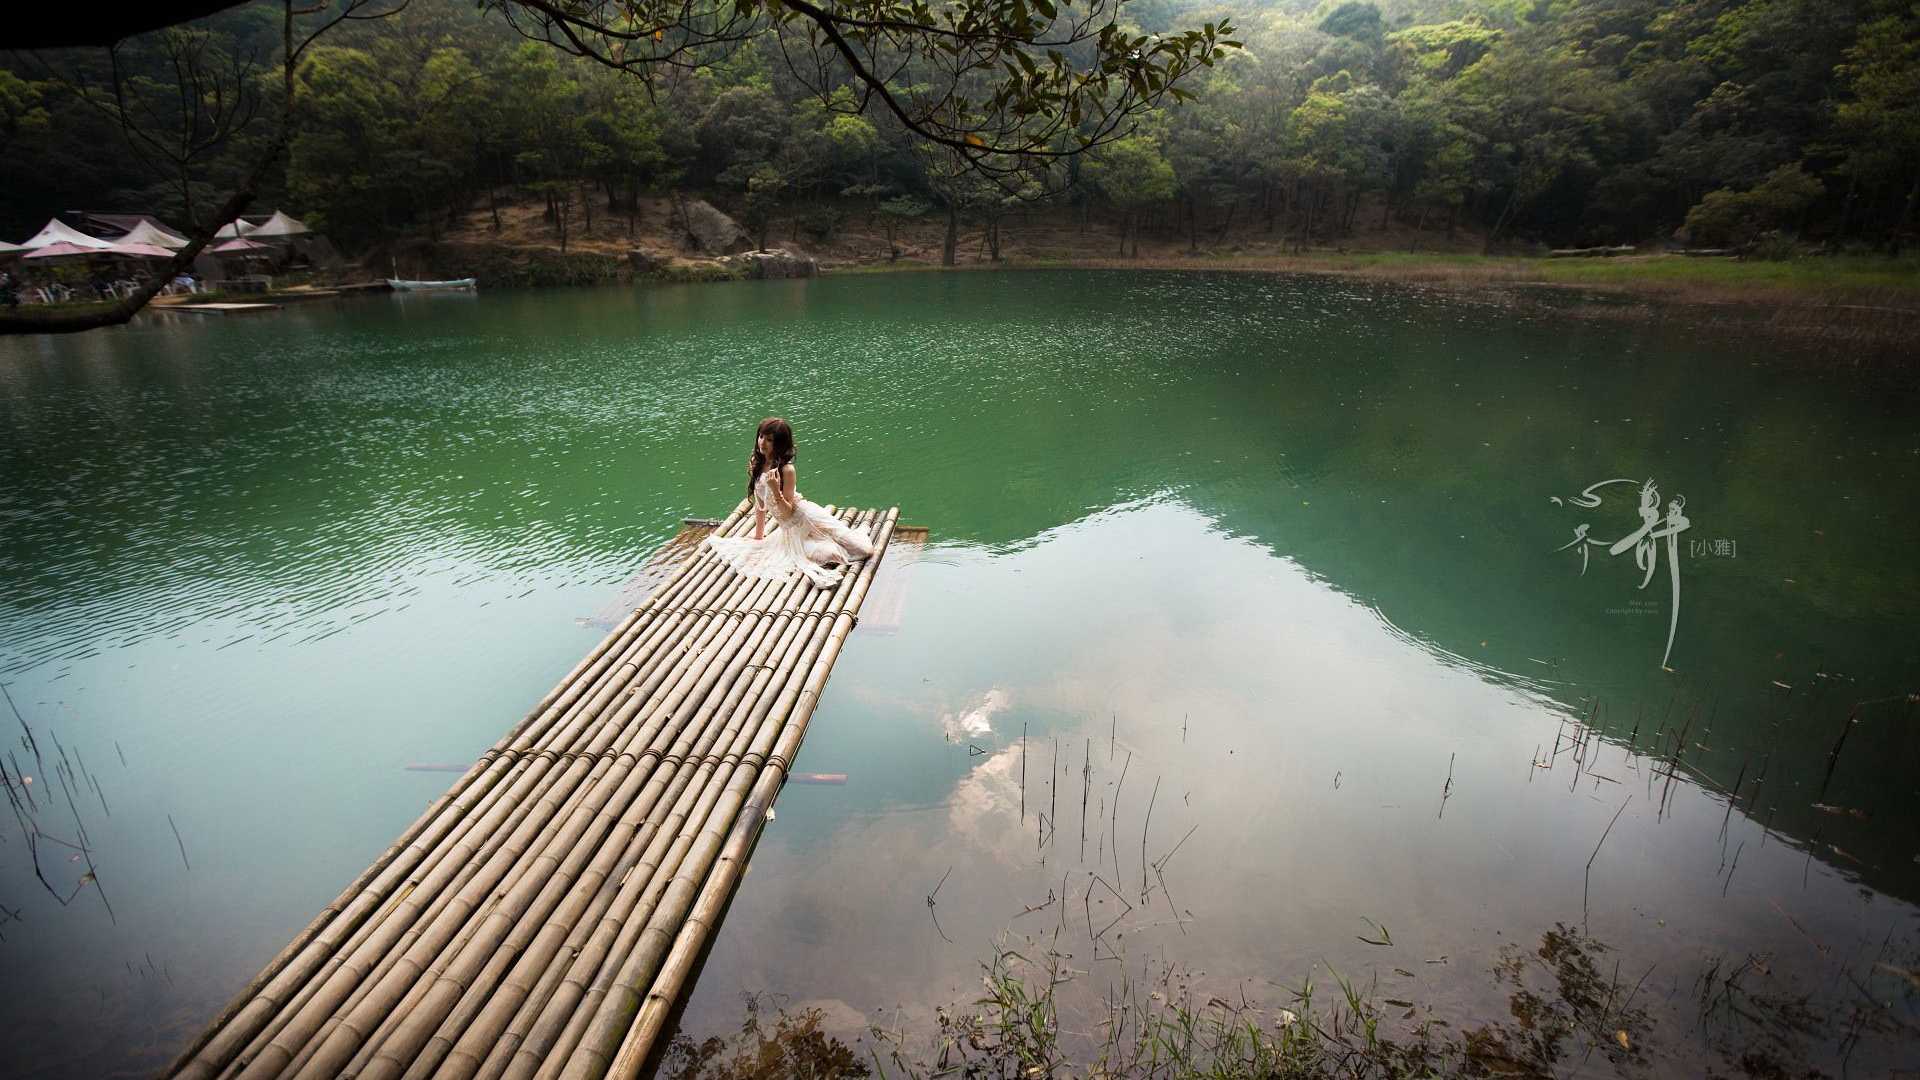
(1386,213)
(948,252)
(493,203)
(1227,225)
(1193,226)
(586,207)
(1846,210)
(1453,218)
(1418,224)
(1906,216)
(1487,248)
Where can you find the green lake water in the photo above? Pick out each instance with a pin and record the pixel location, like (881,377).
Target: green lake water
(1268,570)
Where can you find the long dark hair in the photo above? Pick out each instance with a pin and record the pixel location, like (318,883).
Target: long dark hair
(779,436)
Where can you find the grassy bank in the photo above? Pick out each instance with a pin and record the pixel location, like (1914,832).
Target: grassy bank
(1855,281)
(1053,236)
(1853,307)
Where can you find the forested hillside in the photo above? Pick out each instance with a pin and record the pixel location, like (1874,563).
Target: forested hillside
(1567,122)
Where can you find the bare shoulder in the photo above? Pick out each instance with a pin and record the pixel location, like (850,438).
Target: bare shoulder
(787,471)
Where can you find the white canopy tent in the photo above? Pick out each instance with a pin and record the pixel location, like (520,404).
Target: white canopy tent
(278,225)
(149,232)
(56,233)
(235,229)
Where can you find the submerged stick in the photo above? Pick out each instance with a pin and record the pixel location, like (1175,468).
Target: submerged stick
(1161,862)
(67,789)
(1588,881)
(26,783)
(1733,795)
(32,744)
(1144,826)
(177,840)
(931,913)
(1736,866)
(1086,780)
(1833,755)
(1053,787)
(93,875)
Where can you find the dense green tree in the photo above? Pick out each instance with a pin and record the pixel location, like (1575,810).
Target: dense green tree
(1528,121)
(1879,125)
(1131,175)
(1737,217)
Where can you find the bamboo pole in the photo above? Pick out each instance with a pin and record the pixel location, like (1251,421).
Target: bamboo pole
(617,721)
(560,805)
(589,986)
(423,890)
(579,775)
(202,1057)
(610,1022)
(454,848)
(644,608)
(536,938)
(556,846)
(700,700)
(515,918)
(671,791)
(645,641)
(705,915)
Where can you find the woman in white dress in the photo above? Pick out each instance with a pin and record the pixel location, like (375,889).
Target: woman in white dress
(807,540)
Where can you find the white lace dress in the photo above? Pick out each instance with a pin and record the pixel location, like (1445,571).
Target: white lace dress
(806,540)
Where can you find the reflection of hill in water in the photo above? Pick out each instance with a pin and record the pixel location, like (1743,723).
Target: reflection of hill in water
(1399,448)
(1527,619)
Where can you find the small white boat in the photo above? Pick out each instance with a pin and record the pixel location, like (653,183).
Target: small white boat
(402,285)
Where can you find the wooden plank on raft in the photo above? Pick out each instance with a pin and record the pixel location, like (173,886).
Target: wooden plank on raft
(539,918)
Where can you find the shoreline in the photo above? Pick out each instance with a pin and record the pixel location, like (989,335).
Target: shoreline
(1869,309)
(1851,283)
(1869,304)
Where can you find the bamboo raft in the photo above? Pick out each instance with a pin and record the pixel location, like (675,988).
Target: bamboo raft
(543,916)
